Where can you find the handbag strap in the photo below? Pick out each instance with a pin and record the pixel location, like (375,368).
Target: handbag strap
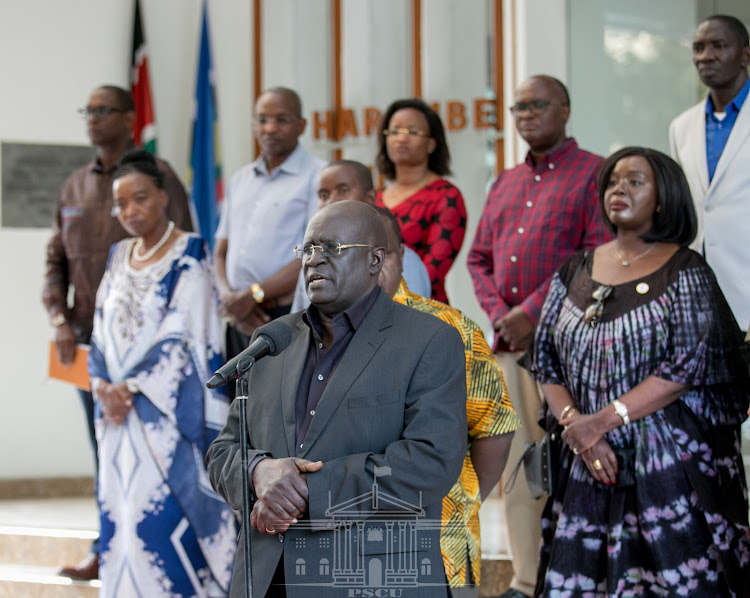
(511,482)
(580,266)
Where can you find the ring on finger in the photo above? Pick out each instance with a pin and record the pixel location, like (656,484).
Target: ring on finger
(270,531)
(597,465)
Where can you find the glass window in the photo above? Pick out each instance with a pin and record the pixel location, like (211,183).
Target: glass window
(630,71)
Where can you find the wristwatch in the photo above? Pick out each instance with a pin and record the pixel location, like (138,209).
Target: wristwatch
(622,411)
(257,292)
(58,320)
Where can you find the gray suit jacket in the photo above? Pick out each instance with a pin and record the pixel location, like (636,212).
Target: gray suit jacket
(396,402)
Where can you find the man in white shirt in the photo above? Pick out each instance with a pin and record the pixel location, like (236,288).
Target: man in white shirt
(266,211)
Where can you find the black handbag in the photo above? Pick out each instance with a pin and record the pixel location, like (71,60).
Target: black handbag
(541,460)
(541,464)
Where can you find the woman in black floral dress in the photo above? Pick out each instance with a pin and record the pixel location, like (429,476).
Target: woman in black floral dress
(641,360)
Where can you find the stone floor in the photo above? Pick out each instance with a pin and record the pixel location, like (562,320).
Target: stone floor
(38,535)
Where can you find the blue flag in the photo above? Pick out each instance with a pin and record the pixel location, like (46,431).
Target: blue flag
(206,187)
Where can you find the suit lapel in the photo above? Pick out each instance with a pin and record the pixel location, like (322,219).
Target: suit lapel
(365,342)
(737,138)
(700,164)
(294,359)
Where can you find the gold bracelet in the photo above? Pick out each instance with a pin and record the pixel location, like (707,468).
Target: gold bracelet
(567,408)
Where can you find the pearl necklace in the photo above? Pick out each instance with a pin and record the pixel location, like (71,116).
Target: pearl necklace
(150,253)
(627,263)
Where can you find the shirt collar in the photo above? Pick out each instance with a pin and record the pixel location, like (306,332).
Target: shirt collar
(354,315)
(292,165)
(736,103)
(96,166)
(552,157)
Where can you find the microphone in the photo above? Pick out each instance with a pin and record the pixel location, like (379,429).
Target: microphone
(272,339)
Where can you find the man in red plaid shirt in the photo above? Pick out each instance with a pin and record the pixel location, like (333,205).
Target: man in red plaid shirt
(537,214)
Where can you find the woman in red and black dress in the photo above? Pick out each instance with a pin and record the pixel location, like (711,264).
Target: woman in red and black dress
(413,156)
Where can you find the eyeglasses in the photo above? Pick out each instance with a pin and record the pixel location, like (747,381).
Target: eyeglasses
(326,249)
(99,111)
(405,131)
(534,107)
(594,312)
(282,121)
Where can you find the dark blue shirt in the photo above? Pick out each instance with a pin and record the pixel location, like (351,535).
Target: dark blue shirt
(717,131)
(319,366)
(321,362)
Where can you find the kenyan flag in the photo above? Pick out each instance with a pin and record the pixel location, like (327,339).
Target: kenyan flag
(144,129)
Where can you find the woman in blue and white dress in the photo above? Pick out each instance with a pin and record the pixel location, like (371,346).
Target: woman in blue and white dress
(156,340)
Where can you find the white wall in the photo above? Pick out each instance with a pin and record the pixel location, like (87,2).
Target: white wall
(52,54)
(41,428)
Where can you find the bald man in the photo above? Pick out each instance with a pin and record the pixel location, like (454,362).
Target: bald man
(348,179)
(356,431)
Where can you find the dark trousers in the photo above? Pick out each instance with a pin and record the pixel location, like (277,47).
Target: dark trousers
(277,589)
(87,400)
(237,342)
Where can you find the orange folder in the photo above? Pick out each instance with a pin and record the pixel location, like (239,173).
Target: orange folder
(77,374)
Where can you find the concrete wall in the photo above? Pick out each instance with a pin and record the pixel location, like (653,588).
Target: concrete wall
(54,53)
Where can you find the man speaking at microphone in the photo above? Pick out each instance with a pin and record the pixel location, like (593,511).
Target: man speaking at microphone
(356,432)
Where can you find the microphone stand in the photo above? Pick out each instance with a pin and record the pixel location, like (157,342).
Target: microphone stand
(241,387)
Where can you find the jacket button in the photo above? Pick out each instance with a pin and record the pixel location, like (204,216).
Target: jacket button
(281,537)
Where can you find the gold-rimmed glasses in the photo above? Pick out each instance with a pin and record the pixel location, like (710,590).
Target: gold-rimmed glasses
(594,312)
(326,249)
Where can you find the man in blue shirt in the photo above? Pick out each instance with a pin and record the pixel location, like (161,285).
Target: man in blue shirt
(711,141)
(347,179)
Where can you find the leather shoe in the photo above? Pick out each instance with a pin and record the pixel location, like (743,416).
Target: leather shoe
(87,569)
(513,593)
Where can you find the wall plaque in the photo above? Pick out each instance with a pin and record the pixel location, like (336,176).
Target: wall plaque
(32,176)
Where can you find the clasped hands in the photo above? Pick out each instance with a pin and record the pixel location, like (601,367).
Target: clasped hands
(585,437)
(281,488)
(242,311)
(515,328)
(116,401)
